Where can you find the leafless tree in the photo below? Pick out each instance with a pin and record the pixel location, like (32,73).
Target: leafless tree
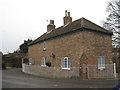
(112,22)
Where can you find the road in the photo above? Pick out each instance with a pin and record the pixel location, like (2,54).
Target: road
(14,78)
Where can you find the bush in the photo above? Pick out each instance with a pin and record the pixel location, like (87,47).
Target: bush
(48,63)
(3,65)
(9,65)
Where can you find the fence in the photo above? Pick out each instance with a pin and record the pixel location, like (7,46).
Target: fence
(108,72)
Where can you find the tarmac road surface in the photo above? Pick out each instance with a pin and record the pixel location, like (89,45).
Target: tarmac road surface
(14,78)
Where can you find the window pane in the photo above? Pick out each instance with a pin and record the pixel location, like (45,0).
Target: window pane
(68,62)
(44,44)
(101,61)
(65,62)
(43,61)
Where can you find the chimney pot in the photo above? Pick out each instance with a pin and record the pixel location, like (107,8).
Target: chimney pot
(66,13)
(69,14)
(50,26)
(52,22)
(67,19)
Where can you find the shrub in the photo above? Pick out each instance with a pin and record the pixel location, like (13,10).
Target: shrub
(3,65)
(9,65)
(48,63)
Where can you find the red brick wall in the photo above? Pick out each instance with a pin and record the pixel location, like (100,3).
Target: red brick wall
(73,45)
(69,45)
(98,45)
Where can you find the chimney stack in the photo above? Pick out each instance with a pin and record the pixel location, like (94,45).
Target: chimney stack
(67,19)
(50,26)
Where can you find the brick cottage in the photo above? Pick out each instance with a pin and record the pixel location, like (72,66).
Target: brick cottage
(79,48)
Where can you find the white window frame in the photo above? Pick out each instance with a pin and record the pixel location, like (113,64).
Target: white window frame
(66,65)
(101,62)
(43,62)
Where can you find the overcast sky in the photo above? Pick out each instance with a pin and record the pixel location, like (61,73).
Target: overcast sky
(23,19)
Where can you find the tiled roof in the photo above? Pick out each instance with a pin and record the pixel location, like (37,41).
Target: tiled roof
(71,27)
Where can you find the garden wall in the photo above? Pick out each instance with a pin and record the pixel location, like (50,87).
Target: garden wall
(52,72)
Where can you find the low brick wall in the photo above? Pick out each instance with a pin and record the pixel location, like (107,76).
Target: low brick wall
(57,72)
(52,72)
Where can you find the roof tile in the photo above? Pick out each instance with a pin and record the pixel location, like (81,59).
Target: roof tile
(75,25)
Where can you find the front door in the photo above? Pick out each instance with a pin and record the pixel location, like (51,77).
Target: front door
(83,71)
(83,66)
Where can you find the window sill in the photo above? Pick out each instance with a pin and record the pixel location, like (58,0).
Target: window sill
(43,65)
(66,69)
(30,63)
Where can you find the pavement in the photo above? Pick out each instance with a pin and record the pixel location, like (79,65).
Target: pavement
(14,78)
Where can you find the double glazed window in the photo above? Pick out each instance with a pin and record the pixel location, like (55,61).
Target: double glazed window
(101,62)
(43,61)
(65,63)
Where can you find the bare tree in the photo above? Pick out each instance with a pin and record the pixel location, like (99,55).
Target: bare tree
(112,22)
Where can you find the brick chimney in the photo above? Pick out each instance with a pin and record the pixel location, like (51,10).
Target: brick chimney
(50,26)
(67,19)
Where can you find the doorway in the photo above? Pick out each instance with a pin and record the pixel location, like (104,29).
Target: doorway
(83,71)
(83,66)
